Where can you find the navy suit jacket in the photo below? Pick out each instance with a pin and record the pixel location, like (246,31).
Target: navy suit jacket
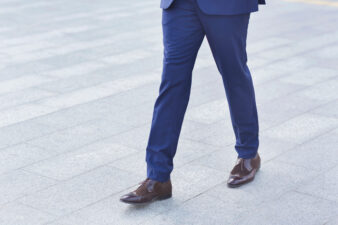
(222,7)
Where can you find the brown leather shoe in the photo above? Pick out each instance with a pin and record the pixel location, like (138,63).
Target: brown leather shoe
(244,171)
(148,191)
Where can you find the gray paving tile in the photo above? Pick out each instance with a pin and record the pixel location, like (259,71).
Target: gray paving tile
(64,60)
(75,82)
(19,183)
(284,108)
(22,113)
(198,209)
(324,91)
(209,112)
(267,43)
(189,126)
(21,83)
(328,52)
(135,138)
(102,109)
(21,97)
(268,73)
(135,116)
(193,179)
(21,132)
(96,92)
(310,76)
(75,137)
(101,212)
(136,96)
(77,69)
(21,155)
(222,160)
(329,109)
(302,128)
(332,221)
(299,62)
(81,191)
(317,154)
(18,73)
(18,214)
(277,178)
(319,41)
(68,165)
(257,62)
(236,198)
(270,148)
(204,62)
(65,118)
(219,133)
(280,52)
(127,57)
(71,220)
(207,92)
(324,186)
(137,160)
(274,89)
(203,76)
(292,208)
(187,151)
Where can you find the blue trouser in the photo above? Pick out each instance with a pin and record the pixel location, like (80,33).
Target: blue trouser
(184,27)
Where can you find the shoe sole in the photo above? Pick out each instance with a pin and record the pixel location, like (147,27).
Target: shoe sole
(163,197)
(248,181)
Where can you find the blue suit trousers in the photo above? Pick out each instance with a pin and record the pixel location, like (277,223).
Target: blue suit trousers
(184,28)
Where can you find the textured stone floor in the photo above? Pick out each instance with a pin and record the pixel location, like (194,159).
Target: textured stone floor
(78,80)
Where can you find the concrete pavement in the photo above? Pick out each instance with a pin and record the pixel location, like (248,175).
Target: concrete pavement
(78,80)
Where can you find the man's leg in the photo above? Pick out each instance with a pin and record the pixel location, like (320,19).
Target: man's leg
(182,38)
(227,39)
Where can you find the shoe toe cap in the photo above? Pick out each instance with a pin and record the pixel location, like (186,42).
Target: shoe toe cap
(233,181)
(130,198)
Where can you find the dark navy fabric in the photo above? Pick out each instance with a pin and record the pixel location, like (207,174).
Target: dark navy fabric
(184,28)
(222,7)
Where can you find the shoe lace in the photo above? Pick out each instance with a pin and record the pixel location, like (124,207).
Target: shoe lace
(242,165)
(142,187)
(144,181)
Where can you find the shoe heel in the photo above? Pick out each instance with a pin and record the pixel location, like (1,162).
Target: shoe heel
(164,197)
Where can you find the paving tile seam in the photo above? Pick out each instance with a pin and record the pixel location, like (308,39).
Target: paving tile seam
(315,196)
